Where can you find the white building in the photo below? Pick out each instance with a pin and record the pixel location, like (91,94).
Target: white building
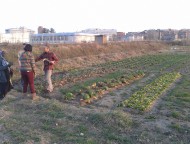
(110,33)
(16,35)
(71,37)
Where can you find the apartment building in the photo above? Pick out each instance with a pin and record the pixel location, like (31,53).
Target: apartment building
(159,34)
(16,35)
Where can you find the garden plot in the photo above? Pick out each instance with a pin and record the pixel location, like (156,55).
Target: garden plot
(144,98)
(94,89)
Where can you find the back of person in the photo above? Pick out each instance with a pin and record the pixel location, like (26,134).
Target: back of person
(27,69)
(2,72)
(5,81)
(27,61)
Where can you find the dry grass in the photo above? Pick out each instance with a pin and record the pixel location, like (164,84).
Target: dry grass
(81,55)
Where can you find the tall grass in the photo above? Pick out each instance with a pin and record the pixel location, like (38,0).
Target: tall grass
(70,51)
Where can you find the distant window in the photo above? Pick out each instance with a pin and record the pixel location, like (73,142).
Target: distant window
(59,38)
(44,38)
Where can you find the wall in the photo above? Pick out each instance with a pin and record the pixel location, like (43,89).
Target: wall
(14,37)
(61,38)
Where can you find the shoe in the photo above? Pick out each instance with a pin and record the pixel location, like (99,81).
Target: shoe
(35,97)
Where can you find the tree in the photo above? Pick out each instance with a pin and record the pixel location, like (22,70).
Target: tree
(45,30)
(52,30)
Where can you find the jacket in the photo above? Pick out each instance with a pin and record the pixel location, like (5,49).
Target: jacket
(47,57)
(3,78)
(27,62)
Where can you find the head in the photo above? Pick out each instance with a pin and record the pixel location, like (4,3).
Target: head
(46,48)
(28,47)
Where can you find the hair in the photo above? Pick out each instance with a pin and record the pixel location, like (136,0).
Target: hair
(47,45)
(28,47)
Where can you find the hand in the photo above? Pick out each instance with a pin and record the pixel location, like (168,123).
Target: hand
(52,62)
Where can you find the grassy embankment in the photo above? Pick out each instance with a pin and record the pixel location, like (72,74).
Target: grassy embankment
(73,56)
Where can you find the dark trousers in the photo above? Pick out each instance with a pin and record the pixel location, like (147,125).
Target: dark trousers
(3,89)
(28,78)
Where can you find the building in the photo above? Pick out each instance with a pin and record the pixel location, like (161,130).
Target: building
(101,39)
(184,34)
(19,30)
(120,36)
(152,34)
(16,35)
(68,38)
(157,35)
(134,36)
(110,33)
(168,35)
(40,29)
(85,36)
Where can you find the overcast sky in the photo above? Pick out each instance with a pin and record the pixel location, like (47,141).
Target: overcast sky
(76,15)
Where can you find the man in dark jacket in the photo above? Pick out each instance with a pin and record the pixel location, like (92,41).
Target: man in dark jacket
(49,59)
(5,83)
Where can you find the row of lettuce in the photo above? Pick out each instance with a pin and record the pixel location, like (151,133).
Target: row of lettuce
(144,98)
(92,89)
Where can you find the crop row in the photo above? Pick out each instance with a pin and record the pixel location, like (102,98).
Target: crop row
(150,62)
(161,62)
(93,89)
(144,98)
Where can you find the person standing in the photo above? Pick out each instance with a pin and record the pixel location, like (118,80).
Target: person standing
(27,69)
(49,59)
(5,76)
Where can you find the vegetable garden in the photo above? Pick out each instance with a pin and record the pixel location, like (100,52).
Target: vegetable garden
(137,100)
(84,86)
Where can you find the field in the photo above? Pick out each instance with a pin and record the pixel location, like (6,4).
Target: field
(141,99)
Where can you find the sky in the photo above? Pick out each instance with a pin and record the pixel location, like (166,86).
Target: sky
(77,15)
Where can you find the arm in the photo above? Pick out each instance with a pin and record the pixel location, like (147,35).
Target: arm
(4,67)
(55,59)
(39,58)
(32,62)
